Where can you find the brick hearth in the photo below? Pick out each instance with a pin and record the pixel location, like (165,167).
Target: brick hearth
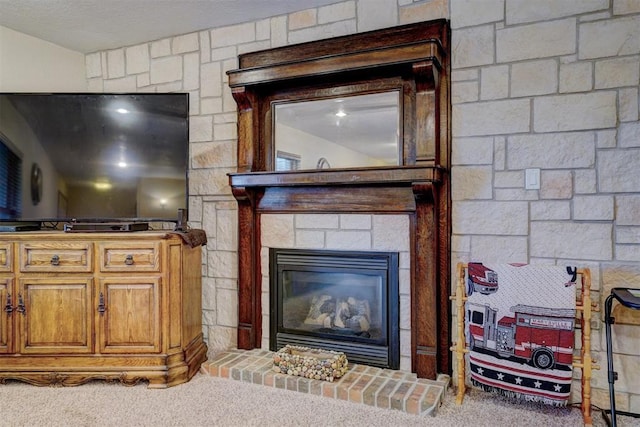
(382,388)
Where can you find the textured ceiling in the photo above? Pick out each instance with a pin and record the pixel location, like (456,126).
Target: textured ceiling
(92,25)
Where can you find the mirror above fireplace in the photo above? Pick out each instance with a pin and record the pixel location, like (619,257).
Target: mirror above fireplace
(342,132)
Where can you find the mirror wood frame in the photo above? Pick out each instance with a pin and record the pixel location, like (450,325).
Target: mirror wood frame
(414,59)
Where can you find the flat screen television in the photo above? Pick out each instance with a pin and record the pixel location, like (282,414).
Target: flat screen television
(92,157)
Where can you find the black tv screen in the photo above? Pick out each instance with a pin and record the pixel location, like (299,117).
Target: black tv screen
(93,156)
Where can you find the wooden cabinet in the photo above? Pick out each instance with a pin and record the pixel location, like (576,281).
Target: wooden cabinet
(113,306)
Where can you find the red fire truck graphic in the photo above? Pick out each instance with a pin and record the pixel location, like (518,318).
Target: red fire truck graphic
(542,336)
(481,279)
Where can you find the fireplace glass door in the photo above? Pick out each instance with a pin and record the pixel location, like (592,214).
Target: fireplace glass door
(342,301)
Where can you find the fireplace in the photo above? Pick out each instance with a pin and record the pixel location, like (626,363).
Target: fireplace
(336,300)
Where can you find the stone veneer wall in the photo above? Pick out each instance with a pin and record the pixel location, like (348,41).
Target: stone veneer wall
(550,84)
(350,232)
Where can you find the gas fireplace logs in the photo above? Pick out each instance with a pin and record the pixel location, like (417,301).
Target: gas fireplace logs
(310,363)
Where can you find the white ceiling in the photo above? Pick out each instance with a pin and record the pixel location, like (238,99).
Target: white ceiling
(92,25)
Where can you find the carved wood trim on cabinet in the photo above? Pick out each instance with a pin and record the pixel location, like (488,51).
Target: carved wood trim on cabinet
(413,59)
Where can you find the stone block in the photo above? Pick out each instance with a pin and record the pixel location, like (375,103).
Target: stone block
(491,118)
(166,69)
(628,105)
(464,92)
(391,232)
(93,65)
(617,72)
(471,182)
(576,77)
(499,248)
(575,112)
(577,241)
(493,218)
(355,222)
(552,151)
(222,338)
(161,48)
(512,194)
(137,58)
(210,181)
(115,63)
(622,38)
(263,29)
(593,208)
(607,138)
(210,80)
(225,131)
(522,11)
(317,221)
(494,82)
(279,31)
(472,151)
(200,128)
(464,75)
(473,46)
(627,208)
(584,181)
(629,235)
(508,179)
(628,252)
(543,40)
(303,19)
(424,11)
(319,32)
(124,84)
(223,264)
(548,210)
(534,78)
(277,230)
(618,171)
(375,14)
(185,43)
(629,135)
(309,239)
(227,230)
(337,12)
(205,46)
(467,13)
(208,293)
(623,7)
(556,184)
(348,240)
(233,35)
(191,80)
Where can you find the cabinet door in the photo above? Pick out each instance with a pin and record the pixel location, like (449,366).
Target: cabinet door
(130,314)
(6,315)
(57,315)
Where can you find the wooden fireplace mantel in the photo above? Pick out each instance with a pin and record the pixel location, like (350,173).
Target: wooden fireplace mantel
(413,59)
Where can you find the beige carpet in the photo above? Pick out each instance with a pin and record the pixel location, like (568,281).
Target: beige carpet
(211,401)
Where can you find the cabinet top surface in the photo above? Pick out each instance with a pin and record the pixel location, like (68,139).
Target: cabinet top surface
(61,235)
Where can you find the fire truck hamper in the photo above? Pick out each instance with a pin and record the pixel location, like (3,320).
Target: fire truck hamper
(629,298)
(500,337)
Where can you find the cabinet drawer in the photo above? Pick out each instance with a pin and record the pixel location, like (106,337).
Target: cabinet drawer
(123,257)
(6,256)
(53,257)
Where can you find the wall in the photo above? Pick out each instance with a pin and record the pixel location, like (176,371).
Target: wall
(28,64)
(551,85)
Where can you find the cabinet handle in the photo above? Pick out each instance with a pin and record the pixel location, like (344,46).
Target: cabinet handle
(8,308)
(55,260)
(129,259)
(21,308)
(101,306)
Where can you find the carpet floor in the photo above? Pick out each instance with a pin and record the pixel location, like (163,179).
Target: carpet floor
(211,401)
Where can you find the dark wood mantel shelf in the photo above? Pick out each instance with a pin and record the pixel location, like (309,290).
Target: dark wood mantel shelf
(334,177)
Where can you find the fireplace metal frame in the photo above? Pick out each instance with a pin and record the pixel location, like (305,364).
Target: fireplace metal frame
(385,353)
